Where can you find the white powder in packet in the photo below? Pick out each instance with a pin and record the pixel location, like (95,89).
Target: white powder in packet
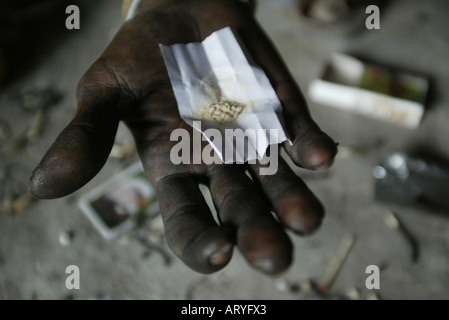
(217,82)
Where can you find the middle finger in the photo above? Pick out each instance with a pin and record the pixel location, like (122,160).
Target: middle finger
(239,203)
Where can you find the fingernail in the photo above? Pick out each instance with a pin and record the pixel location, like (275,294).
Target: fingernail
(263,264)
(33,184)
(221,255)
(325,165)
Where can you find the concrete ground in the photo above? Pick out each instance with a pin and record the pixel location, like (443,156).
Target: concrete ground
(39,242)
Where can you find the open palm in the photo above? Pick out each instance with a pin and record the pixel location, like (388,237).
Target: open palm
(130,83)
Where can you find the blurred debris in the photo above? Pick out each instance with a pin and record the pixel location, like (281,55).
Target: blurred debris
(15,205)
(346,152)
(32,106)
(372,296)
(305,286)
(192,287)
(336,264)
(36,126)
(22,202)
(393,222)
(37,101)
(412,180)
(326,11)
(153,240)
(156,232)
(313,291)
(65,238)
(283,285)
(353,293)
(151,247)
(14,197)
(308,290)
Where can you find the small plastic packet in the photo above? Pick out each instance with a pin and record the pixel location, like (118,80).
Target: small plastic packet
(217,84)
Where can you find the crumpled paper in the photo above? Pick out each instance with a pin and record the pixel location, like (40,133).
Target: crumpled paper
(217,82)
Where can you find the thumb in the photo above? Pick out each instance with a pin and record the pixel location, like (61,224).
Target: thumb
(82,148)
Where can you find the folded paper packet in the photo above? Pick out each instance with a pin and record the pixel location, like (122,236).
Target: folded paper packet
(217,82)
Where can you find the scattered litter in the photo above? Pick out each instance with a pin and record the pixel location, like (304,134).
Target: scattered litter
(372,296)
(325,11)
(65,238)
(283,285)
(393,222)
(35,100)
(22,202)
(156,232)
(151,247)
(336,264)
(15,205)
(305,286)
(353,293)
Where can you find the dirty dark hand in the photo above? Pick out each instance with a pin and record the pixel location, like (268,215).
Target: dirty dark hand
(129,83)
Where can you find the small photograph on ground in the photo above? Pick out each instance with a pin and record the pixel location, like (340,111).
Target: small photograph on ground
(120,203)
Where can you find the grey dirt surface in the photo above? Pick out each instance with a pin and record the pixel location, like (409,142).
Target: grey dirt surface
(39,242)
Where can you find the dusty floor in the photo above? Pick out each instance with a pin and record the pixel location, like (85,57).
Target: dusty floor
(413,35)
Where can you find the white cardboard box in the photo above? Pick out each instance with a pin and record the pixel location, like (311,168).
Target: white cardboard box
(342,86)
